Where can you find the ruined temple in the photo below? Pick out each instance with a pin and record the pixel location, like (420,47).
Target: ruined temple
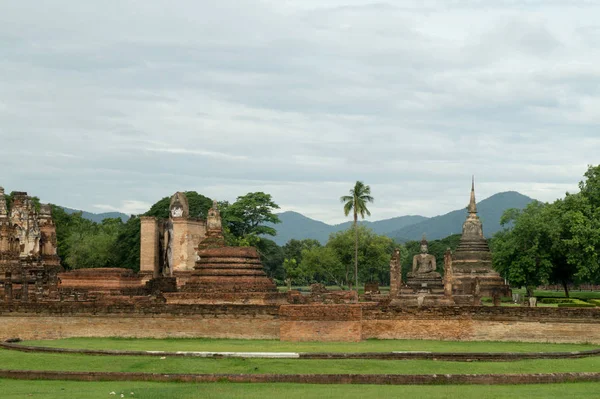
(226,273)
(472,262)
(28,248)
(168,246)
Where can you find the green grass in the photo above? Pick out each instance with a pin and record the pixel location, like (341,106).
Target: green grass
(13,389)
(561,294)
(242,345)
(74,362)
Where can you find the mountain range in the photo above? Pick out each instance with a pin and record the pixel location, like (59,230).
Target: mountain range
(98,217)
(404,228)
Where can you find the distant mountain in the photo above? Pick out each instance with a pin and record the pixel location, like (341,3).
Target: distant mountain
(98,217)
(404,228)
(297,226)
(490,212)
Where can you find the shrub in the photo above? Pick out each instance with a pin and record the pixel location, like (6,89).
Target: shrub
(576,303)
(558,300)
(594,301)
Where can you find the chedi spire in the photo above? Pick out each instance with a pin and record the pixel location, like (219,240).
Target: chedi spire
(472,204)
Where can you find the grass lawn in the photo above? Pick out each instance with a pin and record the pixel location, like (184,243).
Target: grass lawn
(245,345)
(561,294)
(12,389)
(74,362)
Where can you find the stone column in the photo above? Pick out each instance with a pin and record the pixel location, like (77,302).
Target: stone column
(448,273)
(395,274)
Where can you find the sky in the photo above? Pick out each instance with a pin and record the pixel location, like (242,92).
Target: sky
(112,105)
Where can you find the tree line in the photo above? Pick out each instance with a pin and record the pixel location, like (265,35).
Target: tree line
(553,243)
(83,243)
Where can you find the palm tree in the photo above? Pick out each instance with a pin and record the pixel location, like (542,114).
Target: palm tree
(357,202)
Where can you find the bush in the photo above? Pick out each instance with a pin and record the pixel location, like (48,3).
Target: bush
(594,301)
(576,303)
(558,300)
(504,299)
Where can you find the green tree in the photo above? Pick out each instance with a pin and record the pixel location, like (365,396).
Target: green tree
(272,258)
(249,214)
(127,244)
(556,243)
(91,244)
(374,252)
(323,264)
(356,203)
(293,272)
(198,203)
(524,254)
(293,248)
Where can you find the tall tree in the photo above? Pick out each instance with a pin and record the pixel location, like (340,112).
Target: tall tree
(249,215)
(526,253)
(356,202)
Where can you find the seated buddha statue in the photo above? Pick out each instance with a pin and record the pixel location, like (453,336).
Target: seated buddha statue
(424,264)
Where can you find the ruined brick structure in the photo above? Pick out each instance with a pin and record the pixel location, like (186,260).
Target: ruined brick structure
(168,246)
(472,261)
(28,249)
(221,270)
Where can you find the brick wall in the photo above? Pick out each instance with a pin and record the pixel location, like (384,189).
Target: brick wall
(297,322)
(320,323)
(160,321)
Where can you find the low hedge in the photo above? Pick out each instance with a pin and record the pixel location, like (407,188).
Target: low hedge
(576,303)
(594,301)
(558,300)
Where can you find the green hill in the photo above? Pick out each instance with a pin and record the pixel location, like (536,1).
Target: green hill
(404,228)
(98,217)
(490,212)
(297,226)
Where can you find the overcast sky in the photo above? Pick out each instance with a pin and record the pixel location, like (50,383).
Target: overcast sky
(113,104)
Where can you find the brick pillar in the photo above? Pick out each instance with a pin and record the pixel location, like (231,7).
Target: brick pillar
(395,274)
(448,275)
(25,288)
(8,291)
(39,285)
(149,254)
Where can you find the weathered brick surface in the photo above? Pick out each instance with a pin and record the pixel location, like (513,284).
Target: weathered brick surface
(62,320)
(320,323)
(321,312)
(144,318)
(149,244)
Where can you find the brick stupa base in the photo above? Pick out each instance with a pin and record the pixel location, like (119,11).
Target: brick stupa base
(228,275)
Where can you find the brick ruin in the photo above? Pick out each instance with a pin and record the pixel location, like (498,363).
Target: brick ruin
(191,284)
(472,270)
(29,264)
(222,272)
(168,246)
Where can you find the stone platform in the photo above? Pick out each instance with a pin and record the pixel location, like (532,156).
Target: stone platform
(229,270)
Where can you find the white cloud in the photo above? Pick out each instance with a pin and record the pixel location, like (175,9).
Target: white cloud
(298,99)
